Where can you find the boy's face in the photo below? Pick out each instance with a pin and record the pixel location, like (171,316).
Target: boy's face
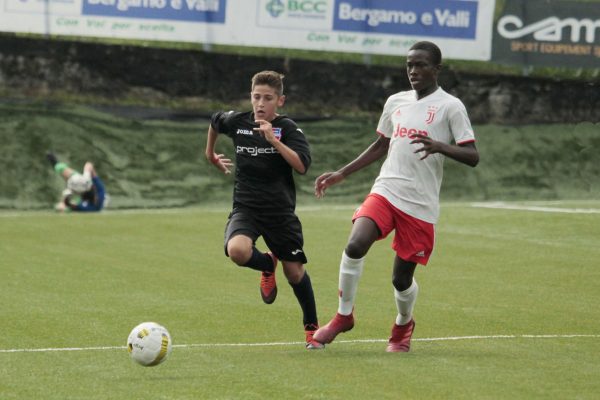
(265,102)
(422,72)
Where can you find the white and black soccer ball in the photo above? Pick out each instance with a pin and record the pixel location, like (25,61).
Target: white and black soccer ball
(149,344)
(79,183)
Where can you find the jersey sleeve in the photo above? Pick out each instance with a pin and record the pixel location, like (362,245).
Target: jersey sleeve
(460,125)
(221,121)
(294,139)
(385,126)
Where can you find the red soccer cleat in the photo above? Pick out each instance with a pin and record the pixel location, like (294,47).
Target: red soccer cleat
(400,339)
(340,323)
(311,343)
(268,285)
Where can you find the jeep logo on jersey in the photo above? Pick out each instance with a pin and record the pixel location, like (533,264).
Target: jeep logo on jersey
(408,132)
(277,133)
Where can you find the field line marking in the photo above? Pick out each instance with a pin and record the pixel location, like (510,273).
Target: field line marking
(438,339)
(51,349)
(166,211)
(518,207)
(304,208)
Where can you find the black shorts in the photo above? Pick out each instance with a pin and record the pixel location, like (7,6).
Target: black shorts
(282,232)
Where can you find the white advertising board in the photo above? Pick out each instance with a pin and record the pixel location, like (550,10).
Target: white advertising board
(462,28)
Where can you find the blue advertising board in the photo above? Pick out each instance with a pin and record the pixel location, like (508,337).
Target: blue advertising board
(209,11)
(434,18)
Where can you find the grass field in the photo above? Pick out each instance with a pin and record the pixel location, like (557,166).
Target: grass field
(508,309)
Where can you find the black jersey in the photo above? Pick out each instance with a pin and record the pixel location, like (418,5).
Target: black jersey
(263,179)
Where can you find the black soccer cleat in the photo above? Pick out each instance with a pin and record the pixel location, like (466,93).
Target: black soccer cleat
(52,158)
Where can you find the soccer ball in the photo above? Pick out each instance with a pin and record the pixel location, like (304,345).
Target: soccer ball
(79,183)
(149,344)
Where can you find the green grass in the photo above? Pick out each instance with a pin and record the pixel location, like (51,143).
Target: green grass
(86,280)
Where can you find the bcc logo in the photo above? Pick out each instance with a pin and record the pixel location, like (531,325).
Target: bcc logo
(275,8)
(278,7)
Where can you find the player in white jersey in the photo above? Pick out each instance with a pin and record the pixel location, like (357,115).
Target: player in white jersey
(417,130)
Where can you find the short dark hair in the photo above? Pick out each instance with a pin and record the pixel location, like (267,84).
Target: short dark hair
(430,47)
(270,78)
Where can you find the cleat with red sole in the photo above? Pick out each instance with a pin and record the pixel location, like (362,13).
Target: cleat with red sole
(311,343)
(268,285)
(400,340)
(340,323)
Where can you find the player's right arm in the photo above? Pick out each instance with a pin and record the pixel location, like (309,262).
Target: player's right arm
(218,160)
(372,153)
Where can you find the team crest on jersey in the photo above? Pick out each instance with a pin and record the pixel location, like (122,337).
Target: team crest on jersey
(431,110)
(277,133)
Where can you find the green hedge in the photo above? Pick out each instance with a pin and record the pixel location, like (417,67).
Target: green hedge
(157,163)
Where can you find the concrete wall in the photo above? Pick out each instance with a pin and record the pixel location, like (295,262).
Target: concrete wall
(39,67)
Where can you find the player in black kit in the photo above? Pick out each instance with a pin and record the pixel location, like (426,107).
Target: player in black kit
(269,147)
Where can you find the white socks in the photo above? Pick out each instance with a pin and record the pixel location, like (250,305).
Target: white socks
(350,272)
(405,302)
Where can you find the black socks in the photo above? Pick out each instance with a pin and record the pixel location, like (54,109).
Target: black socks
(306,297)
(260,261)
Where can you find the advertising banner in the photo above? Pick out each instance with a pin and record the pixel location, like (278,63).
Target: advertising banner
(462,28)
(548,33)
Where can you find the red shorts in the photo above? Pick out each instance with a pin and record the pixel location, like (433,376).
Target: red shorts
(414,238)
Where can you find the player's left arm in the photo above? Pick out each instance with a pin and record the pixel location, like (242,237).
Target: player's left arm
(289,155)
(465,153)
